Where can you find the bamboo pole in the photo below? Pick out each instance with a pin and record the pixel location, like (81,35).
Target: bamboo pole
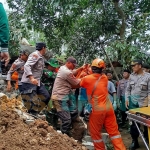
(112,67)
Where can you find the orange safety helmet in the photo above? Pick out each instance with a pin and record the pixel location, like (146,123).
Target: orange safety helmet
(98,63)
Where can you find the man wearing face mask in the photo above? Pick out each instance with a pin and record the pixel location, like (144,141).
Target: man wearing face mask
(137,95)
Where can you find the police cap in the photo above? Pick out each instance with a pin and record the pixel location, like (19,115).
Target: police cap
(136,62)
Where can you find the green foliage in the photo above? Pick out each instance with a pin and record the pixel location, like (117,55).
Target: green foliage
(17,31)
(85,26)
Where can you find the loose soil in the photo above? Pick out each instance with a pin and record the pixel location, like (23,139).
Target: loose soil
(15,134)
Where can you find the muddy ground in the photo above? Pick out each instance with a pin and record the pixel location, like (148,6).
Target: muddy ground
(127,140)
(16,135)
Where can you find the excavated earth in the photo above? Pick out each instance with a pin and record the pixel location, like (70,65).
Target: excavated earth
(15,134)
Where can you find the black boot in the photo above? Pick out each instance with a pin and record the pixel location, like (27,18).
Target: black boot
(134,145)
(146,135)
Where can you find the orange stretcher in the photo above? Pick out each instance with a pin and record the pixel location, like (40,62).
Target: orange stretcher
(141,116)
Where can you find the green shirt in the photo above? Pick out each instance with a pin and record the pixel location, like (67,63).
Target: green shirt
(48,79)
(4,28)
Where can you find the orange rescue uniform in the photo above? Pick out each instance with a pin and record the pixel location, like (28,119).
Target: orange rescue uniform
(102,112)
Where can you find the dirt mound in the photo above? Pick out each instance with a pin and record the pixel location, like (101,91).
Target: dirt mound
(17,135)
(11,103)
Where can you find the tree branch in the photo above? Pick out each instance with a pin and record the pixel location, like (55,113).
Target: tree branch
(123,17)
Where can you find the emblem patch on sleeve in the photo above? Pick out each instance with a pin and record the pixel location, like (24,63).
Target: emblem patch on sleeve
(34,57)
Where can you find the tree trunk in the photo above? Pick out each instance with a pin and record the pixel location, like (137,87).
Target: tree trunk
(122,15)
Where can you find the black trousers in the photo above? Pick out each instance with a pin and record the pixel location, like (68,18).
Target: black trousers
(135,133)
(20,88)
(124,117)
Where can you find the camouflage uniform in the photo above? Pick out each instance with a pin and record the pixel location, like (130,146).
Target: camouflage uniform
(48,79)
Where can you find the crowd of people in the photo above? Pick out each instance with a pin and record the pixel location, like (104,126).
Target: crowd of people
(88,91)
(43,82)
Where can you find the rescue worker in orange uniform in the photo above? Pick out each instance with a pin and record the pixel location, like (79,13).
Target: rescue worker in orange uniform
(102,114)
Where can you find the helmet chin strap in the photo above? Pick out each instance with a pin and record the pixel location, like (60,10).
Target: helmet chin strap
(97,70)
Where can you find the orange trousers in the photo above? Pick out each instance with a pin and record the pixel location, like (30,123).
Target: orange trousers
(105,118)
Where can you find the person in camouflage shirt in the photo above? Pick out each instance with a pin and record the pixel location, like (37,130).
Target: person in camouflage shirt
(48,78)
(49,74)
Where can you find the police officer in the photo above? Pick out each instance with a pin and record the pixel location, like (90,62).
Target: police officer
(121,94)
(31,81)
(137,95)
(146,67)
(17,66)
(63,99)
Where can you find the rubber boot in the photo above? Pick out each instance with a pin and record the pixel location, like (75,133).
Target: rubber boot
(78,129)
(146,135)
(134,145)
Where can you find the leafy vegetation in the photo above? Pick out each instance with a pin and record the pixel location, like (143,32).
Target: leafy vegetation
(86,27)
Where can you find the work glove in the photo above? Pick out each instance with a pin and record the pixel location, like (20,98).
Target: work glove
(115,106)
(87,109)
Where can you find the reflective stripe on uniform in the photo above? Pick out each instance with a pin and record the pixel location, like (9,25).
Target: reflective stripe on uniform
(115,137)
(97,141)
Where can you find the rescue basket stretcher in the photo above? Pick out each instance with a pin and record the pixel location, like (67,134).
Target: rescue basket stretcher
(141,116)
